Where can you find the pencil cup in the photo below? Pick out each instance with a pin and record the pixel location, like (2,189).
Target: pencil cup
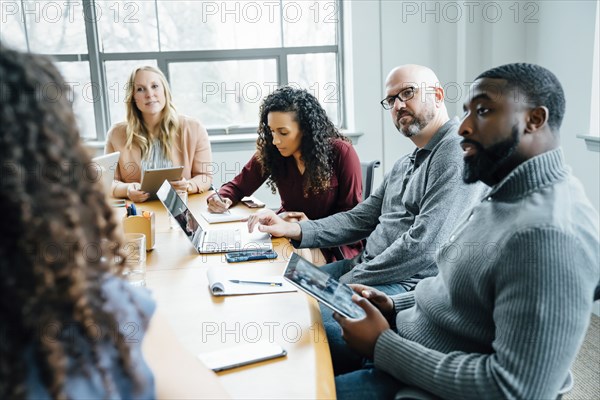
(135,258)
(141,224)
(183,195)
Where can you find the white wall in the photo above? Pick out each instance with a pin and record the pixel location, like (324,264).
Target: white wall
(229,160)
(555,34)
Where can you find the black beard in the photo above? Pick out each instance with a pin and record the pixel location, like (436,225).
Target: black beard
(485,163)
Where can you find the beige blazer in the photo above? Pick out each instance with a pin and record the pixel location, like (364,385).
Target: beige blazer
(191,149)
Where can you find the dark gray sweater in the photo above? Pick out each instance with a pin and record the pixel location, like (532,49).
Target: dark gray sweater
(407,218)
(510,307)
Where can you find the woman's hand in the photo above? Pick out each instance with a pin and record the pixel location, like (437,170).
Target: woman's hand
(135,194)
(217,206)
(181,185)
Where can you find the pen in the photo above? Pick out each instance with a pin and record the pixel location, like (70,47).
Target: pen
(218,195)
(257,282)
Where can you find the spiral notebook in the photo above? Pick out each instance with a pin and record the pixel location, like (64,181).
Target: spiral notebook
(225,283)
(217,218)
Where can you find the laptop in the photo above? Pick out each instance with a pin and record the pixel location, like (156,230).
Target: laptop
(106,166)
(209,241)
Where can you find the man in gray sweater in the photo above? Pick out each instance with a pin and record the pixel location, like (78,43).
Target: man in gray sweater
(506,314)
(412,213)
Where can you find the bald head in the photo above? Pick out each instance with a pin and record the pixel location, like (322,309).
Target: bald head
(415,99)
(413,73)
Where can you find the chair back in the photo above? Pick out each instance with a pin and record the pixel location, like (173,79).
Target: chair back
(367,168)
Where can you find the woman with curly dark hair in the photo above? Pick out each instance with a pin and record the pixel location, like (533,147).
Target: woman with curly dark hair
(301,154)
(69,326)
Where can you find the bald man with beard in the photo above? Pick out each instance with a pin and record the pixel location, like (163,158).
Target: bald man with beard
(407,218)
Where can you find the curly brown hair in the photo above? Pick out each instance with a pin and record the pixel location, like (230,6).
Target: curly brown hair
(56,227)
(318,132)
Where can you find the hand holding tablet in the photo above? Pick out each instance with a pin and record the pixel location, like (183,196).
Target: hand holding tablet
(320,285)
(152,179)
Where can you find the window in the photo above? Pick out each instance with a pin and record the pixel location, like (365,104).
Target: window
(221,57)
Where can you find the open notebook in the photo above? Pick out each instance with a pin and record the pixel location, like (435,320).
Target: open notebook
(226,283)
(215,218)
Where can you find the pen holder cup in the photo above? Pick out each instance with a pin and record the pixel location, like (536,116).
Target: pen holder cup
(141,224)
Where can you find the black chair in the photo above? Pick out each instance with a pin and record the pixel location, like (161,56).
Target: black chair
(367,169)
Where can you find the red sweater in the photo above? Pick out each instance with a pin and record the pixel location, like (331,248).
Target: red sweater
(344,193)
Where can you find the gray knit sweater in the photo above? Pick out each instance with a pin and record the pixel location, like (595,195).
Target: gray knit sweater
(510,307)
(407,218)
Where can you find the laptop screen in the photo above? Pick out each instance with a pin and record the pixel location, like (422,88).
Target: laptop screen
(178,210)
(106,165)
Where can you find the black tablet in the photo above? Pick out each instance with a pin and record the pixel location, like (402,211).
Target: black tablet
(320,285)
(153,178)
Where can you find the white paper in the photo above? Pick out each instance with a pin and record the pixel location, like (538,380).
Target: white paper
(217,218)
(220,285)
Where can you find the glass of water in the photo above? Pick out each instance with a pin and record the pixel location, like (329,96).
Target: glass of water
(135,258)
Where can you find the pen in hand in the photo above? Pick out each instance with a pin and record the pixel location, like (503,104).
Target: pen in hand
(219,196)
(256,282)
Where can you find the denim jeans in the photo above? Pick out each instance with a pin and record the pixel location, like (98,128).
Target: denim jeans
(366,383)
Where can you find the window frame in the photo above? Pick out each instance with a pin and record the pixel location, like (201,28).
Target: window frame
(96,59)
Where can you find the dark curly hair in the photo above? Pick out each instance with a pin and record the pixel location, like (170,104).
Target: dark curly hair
(59,239)
(539,85)
(318,132)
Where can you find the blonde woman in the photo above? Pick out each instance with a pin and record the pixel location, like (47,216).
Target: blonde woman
(155,136)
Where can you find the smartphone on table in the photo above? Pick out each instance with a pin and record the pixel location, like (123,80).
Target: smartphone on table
(249,255)
(252,202)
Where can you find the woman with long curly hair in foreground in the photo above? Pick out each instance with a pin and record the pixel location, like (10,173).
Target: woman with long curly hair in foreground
(69,326)
(302,155)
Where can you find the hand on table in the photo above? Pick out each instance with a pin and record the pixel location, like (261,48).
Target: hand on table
(293,216)
(269,222)
(135,194)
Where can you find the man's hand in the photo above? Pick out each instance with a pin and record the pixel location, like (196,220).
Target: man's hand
(217,206)
(135,194)
(381,300)
(269,222)
(293,216)
(362,334)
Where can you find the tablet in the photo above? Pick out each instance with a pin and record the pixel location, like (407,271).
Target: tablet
(320,285)
(153,178)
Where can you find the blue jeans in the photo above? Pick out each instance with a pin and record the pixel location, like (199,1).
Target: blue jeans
(366,383)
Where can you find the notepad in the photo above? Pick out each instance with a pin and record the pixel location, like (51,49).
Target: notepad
(221,283)
(217,218)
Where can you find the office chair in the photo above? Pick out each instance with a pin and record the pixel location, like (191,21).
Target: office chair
(367,168)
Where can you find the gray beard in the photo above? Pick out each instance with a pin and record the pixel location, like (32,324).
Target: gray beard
(412,129)
(418,124)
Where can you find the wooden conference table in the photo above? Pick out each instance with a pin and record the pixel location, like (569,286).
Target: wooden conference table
(176,275)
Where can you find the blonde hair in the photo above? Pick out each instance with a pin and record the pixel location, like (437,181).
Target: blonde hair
(136,131)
